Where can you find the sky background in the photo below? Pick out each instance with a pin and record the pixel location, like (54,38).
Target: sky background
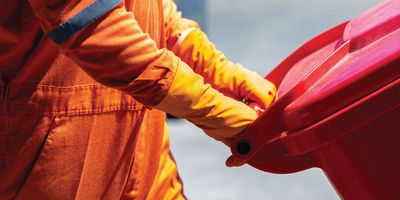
(258,34)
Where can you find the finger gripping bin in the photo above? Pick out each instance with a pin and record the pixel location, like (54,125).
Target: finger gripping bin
(338,109)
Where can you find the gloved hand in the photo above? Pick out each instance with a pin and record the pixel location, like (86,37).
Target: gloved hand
(232,161)
(218,116)
(188,42)
(233,80)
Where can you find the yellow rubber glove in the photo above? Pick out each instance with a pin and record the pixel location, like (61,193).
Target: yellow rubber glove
(194,48)
(231,79)
(218,116)
(187,41)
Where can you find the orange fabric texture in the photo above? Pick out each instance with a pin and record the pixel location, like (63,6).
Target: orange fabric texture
(70,128)
(64,135)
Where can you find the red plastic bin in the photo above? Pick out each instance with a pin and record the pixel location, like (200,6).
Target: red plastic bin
(338,109)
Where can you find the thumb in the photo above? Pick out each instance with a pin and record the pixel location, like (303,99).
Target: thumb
(233,162)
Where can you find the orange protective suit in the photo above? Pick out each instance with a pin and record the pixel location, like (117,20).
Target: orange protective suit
(70,128)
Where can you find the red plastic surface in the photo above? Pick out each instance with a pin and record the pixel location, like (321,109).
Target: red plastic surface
(338,109)
(363,162)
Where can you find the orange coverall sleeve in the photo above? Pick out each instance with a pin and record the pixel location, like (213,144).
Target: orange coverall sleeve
(187,41)
(111,48)
(105,40)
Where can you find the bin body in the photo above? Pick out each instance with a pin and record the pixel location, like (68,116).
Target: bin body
(365,164)
(338,109)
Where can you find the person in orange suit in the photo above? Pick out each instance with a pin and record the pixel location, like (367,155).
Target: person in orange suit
(85,85)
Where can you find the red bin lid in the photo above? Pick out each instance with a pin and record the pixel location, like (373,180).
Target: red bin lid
(364,58)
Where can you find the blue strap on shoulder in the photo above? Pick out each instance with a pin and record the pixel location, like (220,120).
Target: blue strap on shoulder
(88,15)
